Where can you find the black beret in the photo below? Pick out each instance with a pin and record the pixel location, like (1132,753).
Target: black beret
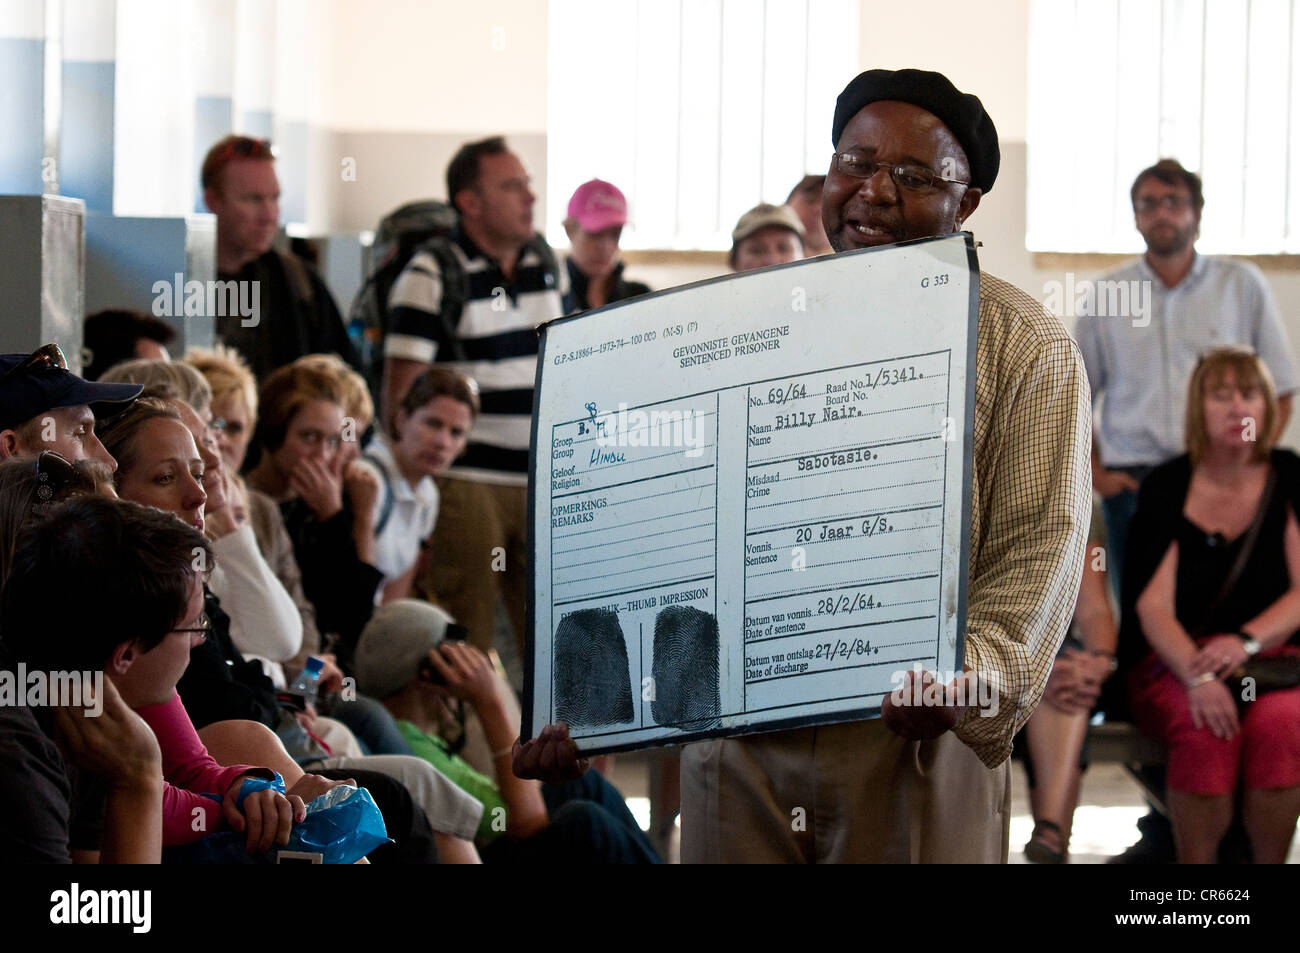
(962,113)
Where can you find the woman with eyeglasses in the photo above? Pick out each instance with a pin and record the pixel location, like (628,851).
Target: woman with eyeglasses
(234,400)
(327,503)
(1212,582)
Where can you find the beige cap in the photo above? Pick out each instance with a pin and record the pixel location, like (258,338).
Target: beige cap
(394,643)
(763,215)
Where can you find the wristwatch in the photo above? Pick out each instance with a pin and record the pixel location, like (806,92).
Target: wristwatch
(1248,642)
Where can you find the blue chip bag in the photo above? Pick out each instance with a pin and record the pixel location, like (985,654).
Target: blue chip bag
(342,825)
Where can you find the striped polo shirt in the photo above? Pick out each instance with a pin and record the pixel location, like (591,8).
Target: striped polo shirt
(494,341)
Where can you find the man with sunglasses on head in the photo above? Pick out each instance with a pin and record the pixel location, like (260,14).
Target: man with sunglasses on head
(296,313)
(44,406)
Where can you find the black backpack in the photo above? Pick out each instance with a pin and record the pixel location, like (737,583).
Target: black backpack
(415,226)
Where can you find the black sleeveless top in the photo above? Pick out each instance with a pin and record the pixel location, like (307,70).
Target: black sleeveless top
(1204,561)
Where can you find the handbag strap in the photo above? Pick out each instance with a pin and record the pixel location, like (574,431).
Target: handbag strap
(1247,546)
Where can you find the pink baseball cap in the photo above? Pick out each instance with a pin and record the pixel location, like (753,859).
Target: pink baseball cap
(598,205)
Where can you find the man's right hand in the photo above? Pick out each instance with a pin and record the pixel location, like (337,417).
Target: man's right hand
(552,757)
(1111,482)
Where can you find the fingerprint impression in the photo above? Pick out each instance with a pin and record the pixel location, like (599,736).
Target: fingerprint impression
(685,669)
(592,684)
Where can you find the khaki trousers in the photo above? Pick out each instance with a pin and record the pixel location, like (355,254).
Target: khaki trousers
(849,793)
(474,519)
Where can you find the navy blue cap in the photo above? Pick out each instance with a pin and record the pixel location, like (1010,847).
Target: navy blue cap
(31,393)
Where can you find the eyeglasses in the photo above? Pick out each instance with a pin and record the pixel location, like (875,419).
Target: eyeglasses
(46,358)
(1171,203)
(203,629)
(909,178)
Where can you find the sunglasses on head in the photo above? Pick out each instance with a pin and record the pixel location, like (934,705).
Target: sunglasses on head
(42,359)
(247,148)
(56,473)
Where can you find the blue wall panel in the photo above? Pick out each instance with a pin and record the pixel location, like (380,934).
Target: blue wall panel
(86,146)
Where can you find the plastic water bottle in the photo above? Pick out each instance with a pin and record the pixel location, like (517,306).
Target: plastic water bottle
(308,683)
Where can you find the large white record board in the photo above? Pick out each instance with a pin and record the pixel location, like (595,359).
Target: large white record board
(749,499)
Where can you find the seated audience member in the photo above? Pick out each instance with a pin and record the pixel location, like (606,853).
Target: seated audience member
(431,429)
(766,235)
(113,336)
(137,591)
(234,413)
(358,405)
(328,509)
(597,214)
(234,400)
(44,406)
(267,551)
(264,621)
(404,659)
(1212,580)
(27,494)
(1055,734)
(177,379)
(162,466)
(805,199)
(60,765)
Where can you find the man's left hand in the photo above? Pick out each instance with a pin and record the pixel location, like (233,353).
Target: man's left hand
(938,710)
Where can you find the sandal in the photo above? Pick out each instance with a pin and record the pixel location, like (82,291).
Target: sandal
(1039,850)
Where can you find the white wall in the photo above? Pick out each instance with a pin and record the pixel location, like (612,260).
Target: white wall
(434,66)
(404,81)
(986,51)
